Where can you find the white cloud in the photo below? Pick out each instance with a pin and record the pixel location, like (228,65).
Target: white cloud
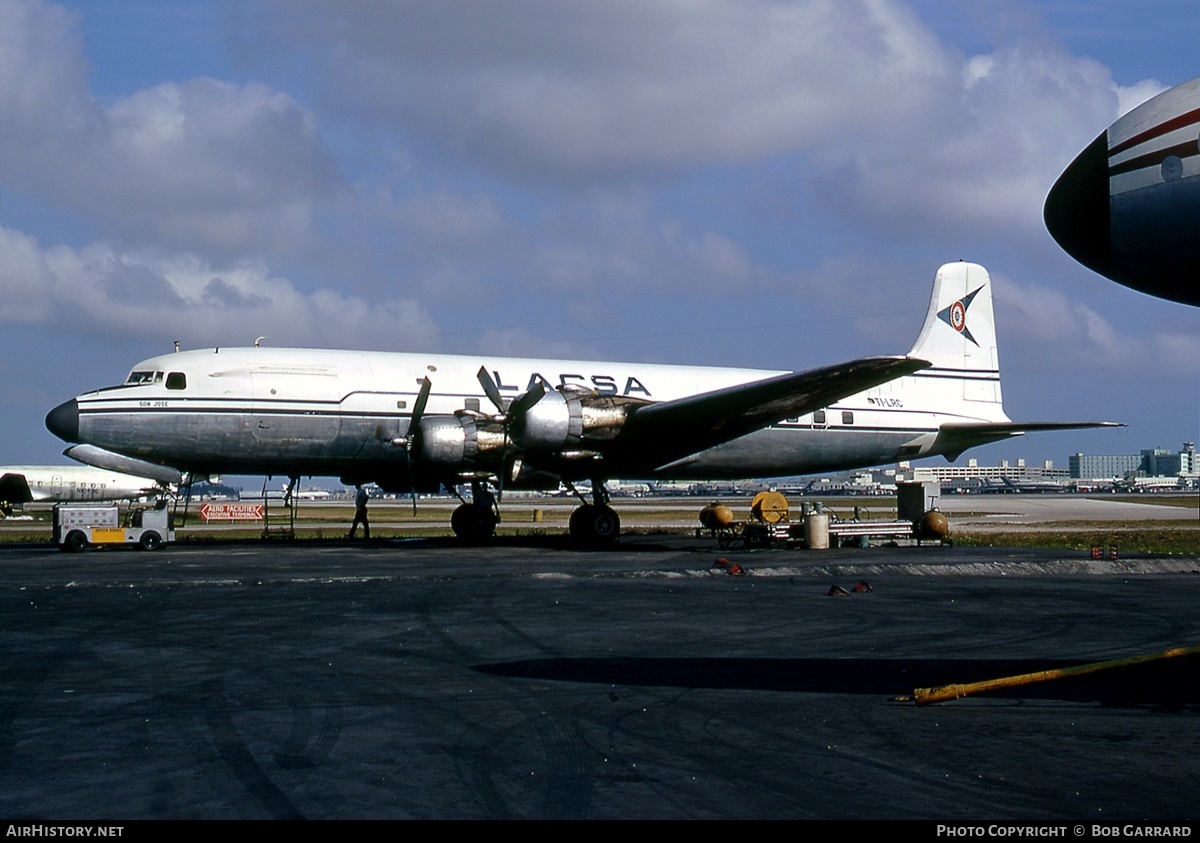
(43,76)
(102,290)
(978,163)
(1130,97)
(26,281)
(543,87)
(885,125)
(201,164)
(1072,334)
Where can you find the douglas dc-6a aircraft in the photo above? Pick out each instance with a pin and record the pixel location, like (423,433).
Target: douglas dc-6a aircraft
(415,422)
(1127,206)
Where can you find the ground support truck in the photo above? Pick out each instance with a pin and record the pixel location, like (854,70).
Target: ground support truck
(77,526)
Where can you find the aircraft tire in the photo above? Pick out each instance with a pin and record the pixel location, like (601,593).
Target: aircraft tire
(577,526)
(473,523)
(76,542)
(150,541)
(597,526)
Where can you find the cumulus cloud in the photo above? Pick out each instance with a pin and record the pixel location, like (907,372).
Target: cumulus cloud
(1130,97)
(885,125)
(466,248)
(980,161)
(199,164)
(102,290)
(615,243)
(1069,332)
(593,91)
(26,283)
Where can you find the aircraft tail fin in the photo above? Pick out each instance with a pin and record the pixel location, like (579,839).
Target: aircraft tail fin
(14,489)
(959,340)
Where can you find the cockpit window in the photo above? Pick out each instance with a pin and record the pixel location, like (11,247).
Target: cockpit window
(141,378)
(177,380)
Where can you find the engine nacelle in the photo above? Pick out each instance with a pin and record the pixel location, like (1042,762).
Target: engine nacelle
(448,441)
(554,423)
(456,443)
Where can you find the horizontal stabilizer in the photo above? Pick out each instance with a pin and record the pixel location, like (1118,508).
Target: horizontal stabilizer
(954,438)
(1017,428)
(670,430)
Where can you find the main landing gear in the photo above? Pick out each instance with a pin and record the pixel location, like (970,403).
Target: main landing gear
(475,522)
(595,524)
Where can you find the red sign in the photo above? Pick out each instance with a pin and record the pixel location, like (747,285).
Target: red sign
(231,511)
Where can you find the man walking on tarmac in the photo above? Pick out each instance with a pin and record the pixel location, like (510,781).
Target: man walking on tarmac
(360,513)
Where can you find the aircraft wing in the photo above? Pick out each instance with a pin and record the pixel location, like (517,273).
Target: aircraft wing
(670,430)
(959,437)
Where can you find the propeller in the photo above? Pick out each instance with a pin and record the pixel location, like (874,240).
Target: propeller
(519,406)
(412,438)
(510,417)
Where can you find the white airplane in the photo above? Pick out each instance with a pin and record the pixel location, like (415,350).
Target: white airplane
(21,484)
(415,422)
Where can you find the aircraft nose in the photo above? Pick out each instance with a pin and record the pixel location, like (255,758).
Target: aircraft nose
(63,421)
(1077,212)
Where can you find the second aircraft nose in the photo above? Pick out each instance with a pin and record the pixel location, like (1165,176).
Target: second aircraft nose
(63,421)
(1077,211)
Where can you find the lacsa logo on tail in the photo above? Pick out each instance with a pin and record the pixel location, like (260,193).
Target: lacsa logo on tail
(956,314)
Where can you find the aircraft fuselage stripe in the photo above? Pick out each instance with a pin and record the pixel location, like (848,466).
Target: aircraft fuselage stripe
(918,429)
(1188,149)
(1163,128)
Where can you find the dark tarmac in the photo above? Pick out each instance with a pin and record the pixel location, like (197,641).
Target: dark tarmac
(419,679)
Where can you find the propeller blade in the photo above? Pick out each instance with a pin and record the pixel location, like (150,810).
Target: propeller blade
(490,389)
(526,400)
(414,430)
(422,400)
(412,481)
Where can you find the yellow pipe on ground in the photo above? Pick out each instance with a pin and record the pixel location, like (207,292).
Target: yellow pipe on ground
(927,696)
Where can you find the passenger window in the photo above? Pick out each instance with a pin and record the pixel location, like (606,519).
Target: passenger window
(177,380)
(819,417)
(847,417)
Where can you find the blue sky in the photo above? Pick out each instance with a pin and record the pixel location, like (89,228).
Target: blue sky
(770,184)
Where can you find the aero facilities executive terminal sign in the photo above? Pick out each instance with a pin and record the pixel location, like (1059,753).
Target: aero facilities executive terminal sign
(231,511)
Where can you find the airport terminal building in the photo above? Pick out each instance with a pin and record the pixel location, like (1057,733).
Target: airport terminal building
(1154,462)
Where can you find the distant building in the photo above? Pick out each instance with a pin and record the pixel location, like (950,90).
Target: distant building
(1159,462)
(1102,466)
(1153,462)
(974,471)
